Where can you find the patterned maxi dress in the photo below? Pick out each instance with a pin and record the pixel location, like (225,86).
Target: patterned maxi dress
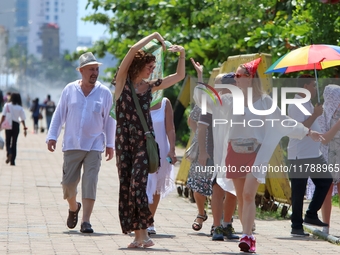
(132,159)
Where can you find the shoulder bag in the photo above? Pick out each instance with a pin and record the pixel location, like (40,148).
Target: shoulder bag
(151,144)
(7,123)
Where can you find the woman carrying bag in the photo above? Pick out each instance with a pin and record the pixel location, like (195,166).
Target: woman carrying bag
(131,135)
(14,107)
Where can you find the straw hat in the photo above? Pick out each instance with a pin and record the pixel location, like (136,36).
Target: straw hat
(87,59)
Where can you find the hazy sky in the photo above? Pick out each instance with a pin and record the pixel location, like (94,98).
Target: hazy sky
(88,28)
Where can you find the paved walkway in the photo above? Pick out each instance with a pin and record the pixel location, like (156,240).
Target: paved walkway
(33,216)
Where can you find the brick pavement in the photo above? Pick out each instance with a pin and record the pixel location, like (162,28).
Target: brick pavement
(33,216)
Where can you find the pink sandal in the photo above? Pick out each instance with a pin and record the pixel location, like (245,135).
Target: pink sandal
(148,243)
(135,244)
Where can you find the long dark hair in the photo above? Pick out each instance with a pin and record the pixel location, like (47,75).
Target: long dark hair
(36,104)
(16,99)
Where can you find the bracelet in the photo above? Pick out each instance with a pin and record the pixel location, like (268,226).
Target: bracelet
(25,128)
(181,57)
(308,131)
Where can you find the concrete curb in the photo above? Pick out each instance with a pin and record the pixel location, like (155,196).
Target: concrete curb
(322,235)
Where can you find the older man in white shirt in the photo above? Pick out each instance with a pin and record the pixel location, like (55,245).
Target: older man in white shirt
(84,108)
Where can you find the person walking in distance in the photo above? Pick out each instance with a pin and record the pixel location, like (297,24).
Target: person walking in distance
(14,107)
(36,113)
(84,108)
(49,106)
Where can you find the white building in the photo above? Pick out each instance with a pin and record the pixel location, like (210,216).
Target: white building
(61,12)
(24,19)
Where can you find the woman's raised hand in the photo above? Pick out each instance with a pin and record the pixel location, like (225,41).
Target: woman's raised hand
(160,38)
(198,67)
(176,48)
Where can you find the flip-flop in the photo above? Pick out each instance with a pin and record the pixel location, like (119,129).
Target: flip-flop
(72,219)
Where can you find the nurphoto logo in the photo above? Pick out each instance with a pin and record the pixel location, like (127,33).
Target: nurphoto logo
(238,104)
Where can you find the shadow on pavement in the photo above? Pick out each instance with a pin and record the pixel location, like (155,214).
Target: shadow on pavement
(161,236)
(75,232)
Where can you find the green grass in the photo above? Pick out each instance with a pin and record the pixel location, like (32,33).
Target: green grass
(335,200)
(268,215)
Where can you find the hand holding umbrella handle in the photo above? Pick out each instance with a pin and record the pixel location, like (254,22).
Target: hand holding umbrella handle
(318,110)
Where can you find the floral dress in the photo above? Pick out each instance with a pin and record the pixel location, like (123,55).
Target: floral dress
(334,150)
(132,159)
(199,179)
(333,156)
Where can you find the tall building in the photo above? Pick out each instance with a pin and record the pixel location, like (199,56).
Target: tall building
(50,41)
(24,19)
(3,49)
(7,18)
(63,13)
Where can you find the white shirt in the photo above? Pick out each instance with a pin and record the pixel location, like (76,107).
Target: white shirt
(305,148)
(88,124)
(17,112)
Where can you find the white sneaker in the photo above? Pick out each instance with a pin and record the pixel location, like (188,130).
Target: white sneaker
(151,230)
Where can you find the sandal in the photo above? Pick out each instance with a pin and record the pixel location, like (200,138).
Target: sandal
(148,243)
(196,225)
(134,244)
(72,219)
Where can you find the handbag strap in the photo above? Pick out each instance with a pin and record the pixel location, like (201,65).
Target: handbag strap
(138,108)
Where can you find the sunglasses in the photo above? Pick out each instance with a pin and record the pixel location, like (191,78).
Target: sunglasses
(151,68)
(241,75)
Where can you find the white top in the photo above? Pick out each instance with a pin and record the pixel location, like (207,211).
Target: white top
(307,147)
(17,112)
(88,125)
(269,134)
